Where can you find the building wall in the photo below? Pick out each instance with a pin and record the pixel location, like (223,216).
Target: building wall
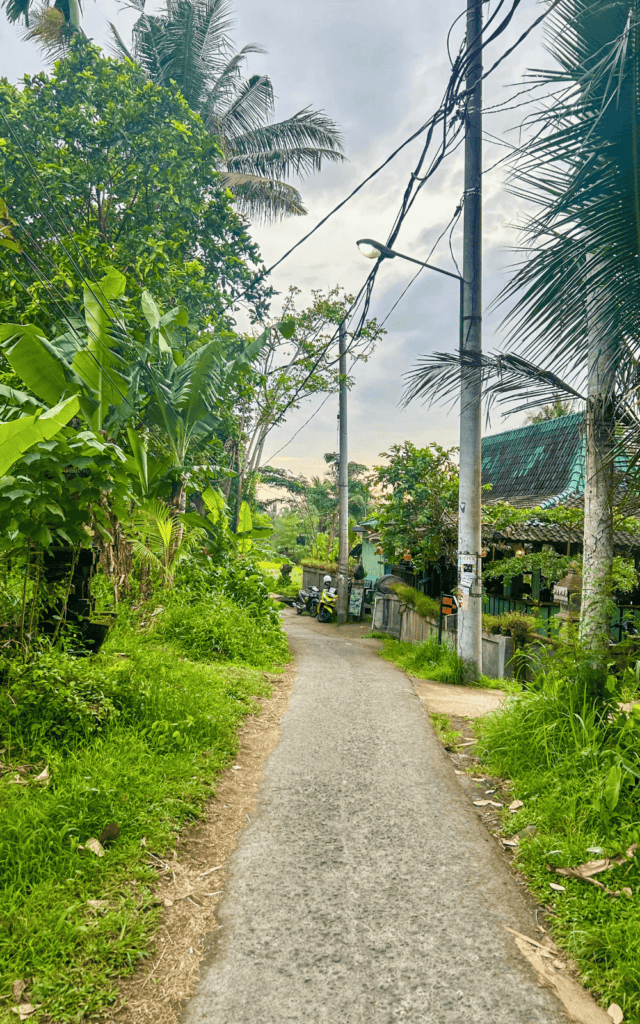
(372,563)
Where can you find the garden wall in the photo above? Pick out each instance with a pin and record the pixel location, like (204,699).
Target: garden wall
(403,623)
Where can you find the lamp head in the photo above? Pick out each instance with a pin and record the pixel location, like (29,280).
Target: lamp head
(374,250)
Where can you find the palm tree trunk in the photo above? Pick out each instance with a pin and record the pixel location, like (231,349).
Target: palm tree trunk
(74,15)
(599,485)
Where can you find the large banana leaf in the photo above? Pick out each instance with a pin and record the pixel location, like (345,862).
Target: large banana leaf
(17,436)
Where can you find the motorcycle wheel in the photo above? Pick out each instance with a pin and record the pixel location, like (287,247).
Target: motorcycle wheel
(299,609)
(324,615)
(313,609)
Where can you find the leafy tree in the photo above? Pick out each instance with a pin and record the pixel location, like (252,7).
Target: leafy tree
(100,166)
(419,502)
(189,45)
(292,369)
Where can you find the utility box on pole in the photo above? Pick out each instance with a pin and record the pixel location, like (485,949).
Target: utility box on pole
(469,513)
(343,488)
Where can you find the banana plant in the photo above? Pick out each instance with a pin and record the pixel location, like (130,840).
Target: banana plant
(18,435)
(83,363)
(186,390)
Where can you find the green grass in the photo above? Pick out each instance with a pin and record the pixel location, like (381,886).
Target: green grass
(442,728)
(575,770)
(438,662)
(163,728)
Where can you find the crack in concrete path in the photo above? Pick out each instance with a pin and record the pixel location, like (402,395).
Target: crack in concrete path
(365,889)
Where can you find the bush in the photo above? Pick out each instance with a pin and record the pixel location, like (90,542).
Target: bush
(439,662)
(222,630)
(199,579)
(52,698)
(521,626)
(428,607)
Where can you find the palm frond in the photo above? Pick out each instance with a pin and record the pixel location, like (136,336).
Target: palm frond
(298,146)
(119,47)
(504,377)
(251,106)
(263,198)
(17,9)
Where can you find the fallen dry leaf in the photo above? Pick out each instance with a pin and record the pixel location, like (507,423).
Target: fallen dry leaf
(43,778)
(482,803)
(143,841)
(579,1004)
(17,780)
(595,867)
(510,842)
(557,888)
(95,846)
(616,1014)
(96,904)
(18,988)
(26,1010)
(515,805)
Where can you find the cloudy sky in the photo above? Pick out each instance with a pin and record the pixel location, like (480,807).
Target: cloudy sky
(378,68)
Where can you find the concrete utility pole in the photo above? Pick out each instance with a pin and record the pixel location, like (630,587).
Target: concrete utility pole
(343,487)
(469,521)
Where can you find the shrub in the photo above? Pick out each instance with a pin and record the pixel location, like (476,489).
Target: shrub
(199,579)
(428,607)
(52,697)
(521,626)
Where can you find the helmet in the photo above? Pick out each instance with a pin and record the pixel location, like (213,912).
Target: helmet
(326,581)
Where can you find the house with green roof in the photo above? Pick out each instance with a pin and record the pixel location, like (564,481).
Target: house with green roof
(539,465)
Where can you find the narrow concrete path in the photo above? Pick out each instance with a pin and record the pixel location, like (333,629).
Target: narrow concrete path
(365,890)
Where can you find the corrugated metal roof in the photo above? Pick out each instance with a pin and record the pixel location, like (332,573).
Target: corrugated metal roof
(534,465)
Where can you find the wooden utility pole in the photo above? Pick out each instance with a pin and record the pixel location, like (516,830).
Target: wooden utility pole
(469,517)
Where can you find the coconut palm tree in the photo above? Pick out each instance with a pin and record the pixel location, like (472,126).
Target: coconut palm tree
(190,46)
(51,25)
(576,295)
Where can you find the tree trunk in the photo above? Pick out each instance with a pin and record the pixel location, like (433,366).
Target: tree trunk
(599,483)
(116,556)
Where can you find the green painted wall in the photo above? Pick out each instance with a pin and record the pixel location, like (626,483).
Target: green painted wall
(372,563)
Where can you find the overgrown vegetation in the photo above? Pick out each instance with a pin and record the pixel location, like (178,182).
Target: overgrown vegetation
(134,736)
(426,606)
(438,662)
(574,765)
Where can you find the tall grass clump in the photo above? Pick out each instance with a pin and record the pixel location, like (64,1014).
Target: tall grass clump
(439,662)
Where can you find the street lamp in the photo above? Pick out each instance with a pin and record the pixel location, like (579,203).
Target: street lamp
(469,533)
(376,250)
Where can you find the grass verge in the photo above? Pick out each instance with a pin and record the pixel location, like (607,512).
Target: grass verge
(438,662)
(577,775)
(136,736)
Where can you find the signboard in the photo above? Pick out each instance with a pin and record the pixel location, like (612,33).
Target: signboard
(448,606)
(355,602)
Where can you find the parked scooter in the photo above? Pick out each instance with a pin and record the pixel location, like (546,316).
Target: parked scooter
(328,601)
(307,601)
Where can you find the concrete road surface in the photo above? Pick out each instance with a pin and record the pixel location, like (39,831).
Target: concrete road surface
(365,890)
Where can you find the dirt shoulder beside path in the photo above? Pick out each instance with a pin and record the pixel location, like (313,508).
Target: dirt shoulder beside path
(156,992)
